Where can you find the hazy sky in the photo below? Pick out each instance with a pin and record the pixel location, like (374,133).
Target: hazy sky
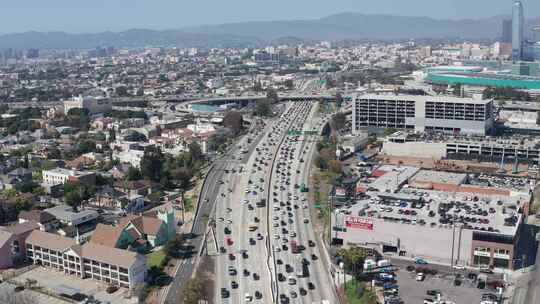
(116,15)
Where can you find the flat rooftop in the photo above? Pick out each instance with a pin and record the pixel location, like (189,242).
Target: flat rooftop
(439,177)
(392,177)
(444,99)
(518,141)
(437,209)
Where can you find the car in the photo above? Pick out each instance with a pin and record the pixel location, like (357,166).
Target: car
(281,277)
(310,286)
(311,243)
(222,249)
(420,261)
(258,295)
(251,241)
(294,294)
(429,301)
(231,257)
(433,292)
(420,276)
(305,220)
(248,298)
(232,271)
(225,293)
(314,257)
(246,272)
(292,280)
(244,254)
(234,285)
(256,277)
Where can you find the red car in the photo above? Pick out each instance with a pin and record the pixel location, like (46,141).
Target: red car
(229,241)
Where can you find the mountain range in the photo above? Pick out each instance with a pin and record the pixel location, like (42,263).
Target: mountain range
(344,26)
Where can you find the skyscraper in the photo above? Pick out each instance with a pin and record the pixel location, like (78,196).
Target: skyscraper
(517,31)
(506,31)
(536,34)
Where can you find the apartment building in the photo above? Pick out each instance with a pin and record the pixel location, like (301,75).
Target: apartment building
(58,176)
(110,265)
(422,113)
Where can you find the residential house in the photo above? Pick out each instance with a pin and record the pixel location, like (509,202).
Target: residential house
(45,220)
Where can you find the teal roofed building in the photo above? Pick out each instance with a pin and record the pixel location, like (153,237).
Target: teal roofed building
(529,83)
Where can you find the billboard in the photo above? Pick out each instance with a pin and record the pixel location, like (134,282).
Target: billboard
(358,223)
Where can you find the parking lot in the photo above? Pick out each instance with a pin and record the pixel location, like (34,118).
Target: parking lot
(55,281)
(414,292)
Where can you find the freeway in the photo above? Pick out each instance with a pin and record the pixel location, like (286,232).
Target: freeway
(242,266)
(248,237)
(302,277)
(209,195)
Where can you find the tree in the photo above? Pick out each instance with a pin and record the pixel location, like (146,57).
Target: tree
(272,95)
(321,163)
(353,258)
(194,291)
(152,164)
(234,121)
(121,91)
(133,174)
(195,151)
(263,108)
(339,99)
(112,135)
(339,121)
(217,141)
(335,166)
(86,146)
(22,204)
(75,193)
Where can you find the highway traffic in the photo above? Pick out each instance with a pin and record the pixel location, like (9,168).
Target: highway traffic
(267,249)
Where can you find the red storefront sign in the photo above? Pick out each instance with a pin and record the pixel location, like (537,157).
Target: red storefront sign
(358,223)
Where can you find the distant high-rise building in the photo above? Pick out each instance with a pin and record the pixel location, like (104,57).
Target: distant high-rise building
(32,53)
(536,34)
(517,31)
(506,31)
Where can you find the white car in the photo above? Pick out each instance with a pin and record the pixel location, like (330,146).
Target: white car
(420,277)
(248,298)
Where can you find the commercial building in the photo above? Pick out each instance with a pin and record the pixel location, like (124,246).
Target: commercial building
(110,265)
(506,31)
(517,31)
(94,105)
(442,217)
(422,113)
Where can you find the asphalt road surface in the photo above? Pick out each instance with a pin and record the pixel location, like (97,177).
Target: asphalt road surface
(209,194)
(302,277)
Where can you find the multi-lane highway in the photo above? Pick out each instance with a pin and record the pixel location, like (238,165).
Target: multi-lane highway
(261,214)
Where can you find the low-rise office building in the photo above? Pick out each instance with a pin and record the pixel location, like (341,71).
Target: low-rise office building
(110,265)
